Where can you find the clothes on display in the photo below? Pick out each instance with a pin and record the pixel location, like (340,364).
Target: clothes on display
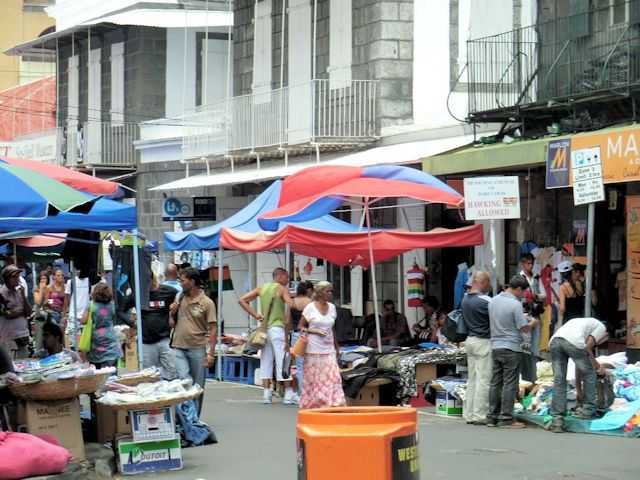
(460,284)
(354,380)
(415,286)
(123,275)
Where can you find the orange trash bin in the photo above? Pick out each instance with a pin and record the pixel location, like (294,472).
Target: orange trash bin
(373,443)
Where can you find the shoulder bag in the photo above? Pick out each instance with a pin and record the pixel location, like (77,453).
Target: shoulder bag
(258,338)
(84,345)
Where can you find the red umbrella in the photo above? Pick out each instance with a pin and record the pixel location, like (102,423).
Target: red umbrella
(317,191)
(78,180)
(350,248)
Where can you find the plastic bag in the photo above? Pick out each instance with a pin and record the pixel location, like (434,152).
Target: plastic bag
(25,455)
(455,329)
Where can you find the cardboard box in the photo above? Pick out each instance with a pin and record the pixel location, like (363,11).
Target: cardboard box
(59,419)
(425,372)
(369,395)
(143,457)
(111,423)
(148,425)
(131,355)
(447,404)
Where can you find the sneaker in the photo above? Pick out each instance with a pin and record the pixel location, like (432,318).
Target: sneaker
(290,397)
(267,397)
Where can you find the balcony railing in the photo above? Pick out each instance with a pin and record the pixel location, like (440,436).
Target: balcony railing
(313,113)
(568,58)
(97,144)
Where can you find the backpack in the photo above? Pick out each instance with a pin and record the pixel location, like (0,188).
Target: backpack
(454,329)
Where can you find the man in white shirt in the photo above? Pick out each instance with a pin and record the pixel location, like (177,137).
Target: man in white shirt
(576,339)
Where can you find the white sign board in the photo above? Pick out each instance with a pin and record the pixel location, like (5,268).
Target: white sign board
(491,198)
(586,167)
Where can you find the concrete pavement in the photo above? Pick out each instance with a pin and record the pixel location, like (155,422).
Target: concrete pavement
(257,442)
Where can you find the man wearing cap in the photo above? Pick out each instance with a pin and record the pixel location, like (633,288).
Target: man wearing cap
(14,327)
(575,340)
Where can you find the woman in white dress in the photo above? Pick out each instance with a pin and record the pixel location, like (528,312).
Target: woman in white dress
(322,381)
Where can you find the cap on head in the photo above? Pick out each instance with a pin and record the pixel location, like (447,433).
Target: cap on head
(9,271)
(564,267)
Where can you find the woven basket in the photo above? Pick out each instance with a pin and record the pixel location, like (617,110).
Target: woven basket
(60,389)
(152,405)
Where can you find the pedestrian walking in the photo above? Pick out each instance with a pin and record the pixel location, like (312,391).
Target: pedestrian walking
(508,322)
(475,311)
(575,340)
(105,349)
(322,381)
(194,322)
(274,298)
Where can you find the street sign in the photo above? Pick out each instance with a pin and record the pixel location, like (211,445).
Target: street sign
(189,208)
(491,198)
(586,167)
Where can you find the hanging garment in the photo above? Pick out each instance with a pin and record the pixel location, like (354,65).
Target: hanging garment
(227,283)
(460,283)
(415,286)
(546,278)
(123,274)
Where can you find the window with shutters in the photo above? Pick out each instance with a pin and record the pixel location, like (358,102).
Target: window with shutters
(73,89)
(117,83)
(340,43)
(262,51)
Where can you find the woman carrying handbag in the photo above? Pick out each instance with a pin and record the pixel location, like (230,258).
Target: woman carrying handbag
(322,381)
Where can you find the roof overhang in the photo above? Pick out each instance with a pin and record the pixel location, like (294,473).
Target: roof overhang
(398,154)
(146,17)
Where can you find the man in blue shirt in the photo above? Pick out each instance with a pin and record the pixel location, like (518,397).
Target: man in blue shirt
(507,325)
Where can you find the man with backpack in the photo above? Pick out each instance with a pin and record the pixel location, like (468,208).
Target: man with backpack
(475,312)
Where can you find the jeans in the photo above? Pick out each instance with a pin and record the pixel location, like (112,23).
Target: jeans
(561,352)
(160,355)
(479,362)
(190,364)
(299,362)
(504,385)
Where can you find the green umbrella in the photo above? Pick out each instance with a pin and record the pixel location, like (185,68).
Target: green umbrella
(30,195)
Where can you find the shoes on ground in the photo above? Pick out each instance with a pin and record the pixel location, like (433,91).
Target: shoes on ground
(267,397)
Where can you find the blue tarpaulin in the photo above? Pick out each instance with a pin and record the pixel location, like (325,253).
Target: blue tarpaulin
(246,220)
(105,215)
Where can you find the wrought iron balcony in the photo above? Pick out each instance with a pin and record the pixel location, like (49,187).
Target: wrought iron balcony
(595,54)
(315,114)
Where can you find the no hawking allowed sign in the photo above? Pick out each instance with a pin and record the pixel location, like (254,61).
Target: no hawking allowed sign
(491,198)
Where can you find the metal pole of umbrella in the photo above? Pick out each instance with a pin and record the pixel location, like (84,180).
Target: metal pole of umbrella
(219,320)
(591,220)
(372,271)
(74,298)
(136,274)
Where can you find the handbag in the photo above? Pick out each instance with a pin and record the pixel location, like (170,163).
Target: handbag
(84,345)
(286,366)
(258,338)
(300,347)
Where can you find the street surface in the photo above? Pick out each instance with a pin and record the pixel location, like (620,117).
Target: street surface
(257,442)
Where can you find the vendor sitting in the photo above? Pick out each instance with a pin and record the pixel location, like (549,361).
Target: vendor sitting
(53,342)
(394,329)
